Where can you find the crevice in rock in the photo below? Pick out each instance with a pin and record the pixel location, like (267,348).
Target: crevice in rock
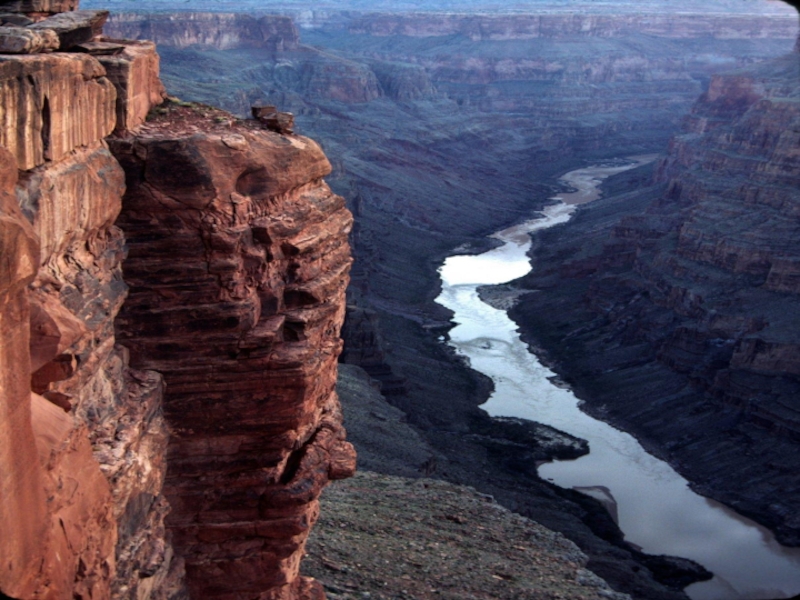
(295,460)
(46,128)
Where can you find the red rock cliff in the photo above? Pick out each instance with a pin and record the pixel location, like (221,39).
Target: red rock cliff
(238,261)
(83,439)
(238,266)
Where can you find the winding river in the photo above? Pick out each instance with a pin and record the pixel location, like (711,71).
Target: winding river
(653,505)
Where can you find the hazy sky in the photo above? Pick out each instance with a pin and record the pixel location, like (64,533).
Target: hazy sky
(726,6)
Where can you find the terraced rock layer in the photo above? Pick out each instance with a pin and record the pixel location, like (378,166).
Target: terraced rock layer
(84,435)
(419,143)
(238,263)
(678,320)
(84,440)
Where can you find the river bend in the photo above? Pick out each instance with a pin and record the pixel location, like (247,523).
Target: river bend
(653,505)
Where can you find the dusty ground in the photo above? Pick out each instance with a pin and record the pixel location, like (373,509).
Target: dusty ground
(386,537)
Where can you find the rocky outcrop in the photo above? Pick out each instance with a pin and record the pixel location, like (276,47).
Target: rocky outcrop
(74,27)
(87,517)
(133,68)
(210,30)
(238,264)
(21,40)
(84,450)
(690,302)
(442,541)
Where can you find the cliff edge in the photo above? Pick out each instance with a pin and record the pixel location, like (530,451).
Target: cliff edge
(238,266)
(237,257)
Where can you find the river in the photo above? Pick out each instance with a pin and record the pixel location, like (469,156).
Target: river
(653,505)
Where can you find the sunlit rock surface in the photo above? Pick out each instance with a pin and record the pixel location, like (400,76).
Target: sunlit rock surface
(84,447)
(53,103)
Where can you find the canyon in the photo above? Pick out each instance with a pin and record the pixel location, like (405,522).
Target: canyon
(692,293)
(173,277)
(406,105)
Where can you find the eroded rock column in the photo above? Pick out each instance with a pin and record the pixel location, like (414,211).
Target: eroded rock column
(238,264)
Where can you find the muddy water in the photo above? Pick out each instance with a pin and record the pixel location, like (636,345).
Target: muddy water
(652,503)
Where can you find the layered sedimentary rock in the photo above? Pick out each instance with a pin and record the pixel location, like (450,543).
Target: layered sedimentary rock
(570,25)
(85,455)
(73,28)
(23,502)
(238,264)
(680,319)
(40,6)
(215,30)
(85,442)
(53,104)
(84,448)
(133,68)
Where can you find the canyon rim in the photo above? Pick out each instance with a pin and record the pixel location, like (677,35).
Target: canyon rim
(172,283)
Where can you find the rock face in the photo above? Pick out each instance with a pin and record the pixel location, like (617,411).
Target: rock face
(238,265)
(53,104)
(83,438)
(419,187)
(133,68)
(571,25)
(690,303)
(213,30)
(84,442)
(75,27)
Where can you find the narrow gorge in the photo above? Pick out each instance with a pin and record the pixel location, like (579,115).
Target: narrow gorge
(684,289)
(194,303)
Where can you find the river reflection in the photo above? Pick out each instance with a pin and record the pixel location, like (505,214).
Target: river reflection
(653,505)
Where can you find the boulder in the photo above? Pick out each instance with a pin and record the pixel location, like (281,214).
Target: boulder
(280,122)
(23,40)
(76,27)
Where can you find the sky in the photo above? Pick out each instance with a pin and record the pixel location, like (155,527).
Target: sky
(600,6)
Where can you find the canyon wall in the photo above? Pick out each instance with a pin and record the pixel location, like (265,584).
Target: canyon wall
(83,448)
(575,24)
(243,329)
(438,141)
(238,265)
(688,332)
(216,30)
